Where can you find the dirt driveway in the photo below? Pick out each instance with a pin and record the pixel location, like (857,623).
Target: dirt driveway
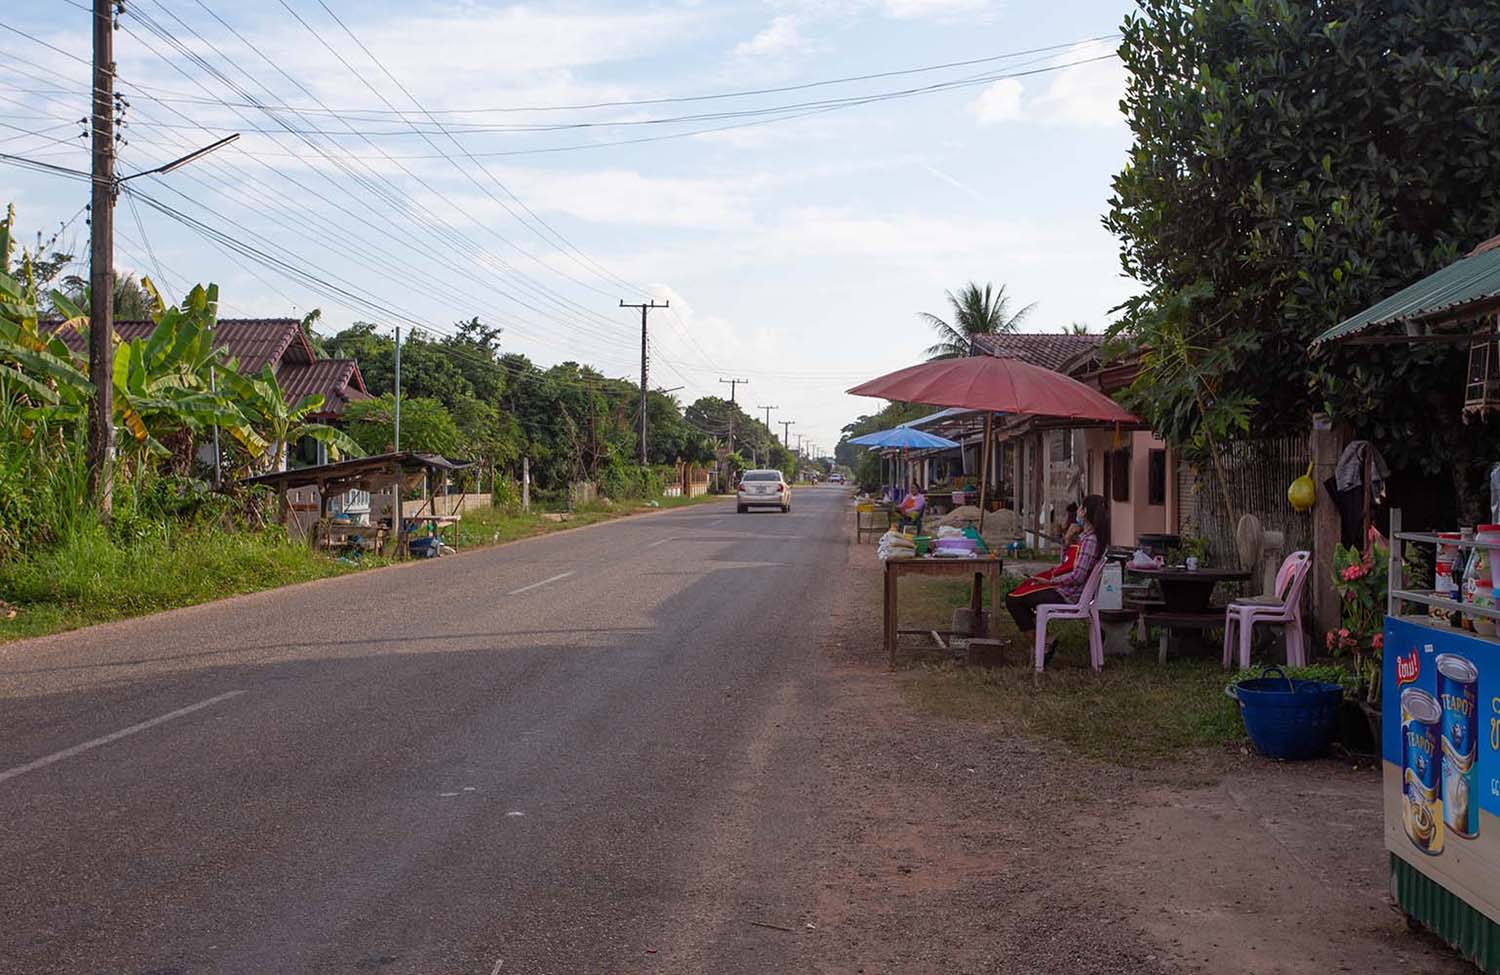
(948,848)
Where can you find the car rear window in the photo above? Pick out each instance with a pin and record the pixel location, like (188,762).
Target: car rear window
(762,475)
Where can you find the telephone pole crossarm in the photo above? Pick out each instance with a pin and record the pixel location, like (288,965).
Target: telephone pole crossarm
(645,308)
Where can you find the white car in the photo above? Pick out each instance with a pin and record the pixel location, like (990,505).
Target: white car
(764,489)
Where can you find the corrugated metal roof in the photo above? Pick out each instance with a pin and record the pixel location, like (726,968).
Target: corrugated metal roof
(931,418)
(1472,280)
(1050,350)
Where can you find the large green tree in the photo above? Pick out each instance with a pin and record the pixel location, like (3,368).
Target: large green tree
(1292,164)
(972,311)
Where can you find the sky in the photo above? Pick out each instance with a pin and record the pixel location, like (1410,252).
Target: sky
(418,163)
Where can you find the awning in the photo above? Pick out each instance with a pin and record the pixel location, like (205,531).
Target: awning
(1468,283)
(355,469)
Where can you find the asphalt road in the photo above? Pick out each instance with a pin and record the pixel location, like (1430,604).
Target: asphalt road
(577,753)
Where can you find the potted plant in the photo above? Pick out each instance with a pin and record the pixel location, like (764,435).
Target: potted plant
(1360,577)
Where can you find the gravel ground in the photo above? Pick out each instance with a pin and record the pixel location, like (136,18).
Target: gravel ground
(948,848)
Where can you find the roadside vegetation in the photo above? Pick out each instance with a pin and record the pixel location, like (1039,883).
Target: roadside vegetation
(174,539)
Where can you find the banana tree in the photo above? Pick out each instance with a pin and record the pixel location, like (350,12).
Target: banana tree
(164,382)
(279,423)
(37,371)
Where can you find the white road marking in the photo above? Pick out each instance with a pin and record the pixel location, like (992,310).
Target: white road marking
(534,585)
(716,521)
(659,541)
(114,736)
(515,812)
(499,963)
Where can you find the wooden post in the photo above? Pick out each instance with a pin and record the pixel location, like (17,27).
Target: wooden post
(984,467)
(1038,485)
(526,484)
(890,613)
(1326,526)
(320,531)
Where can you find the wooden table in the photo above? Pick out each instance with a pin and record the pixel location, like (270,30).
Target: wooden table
(1188,590)
(1186,596)
(980,568)
(877,522)
(336,534)
(438,523)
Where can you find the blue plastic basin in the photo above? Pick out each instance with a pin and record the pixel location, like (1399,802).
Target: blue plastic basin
(1286,718)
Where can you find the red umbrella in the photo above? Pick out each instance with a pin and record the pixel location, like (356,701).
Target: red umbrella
(986,382)
(995,385)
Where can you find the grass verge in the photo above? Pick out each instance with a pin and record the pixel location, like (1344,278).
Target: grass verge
(1136,713)
(90,579)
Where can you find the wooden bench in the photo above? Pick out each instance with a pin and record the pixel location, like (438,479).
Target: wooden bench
(1169,620)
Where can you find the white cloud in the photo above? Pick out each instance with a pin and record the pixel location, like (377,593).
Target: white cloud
(781,38)
(1085,94)
(999,102)
(937,9)
(618,196)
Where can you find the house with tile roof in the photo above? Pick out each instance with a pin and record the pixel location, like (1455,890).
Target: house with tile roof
(278,342)
(1042,465)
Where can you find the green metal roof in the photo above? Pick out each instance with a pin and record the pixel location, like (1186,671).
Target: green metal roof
(1475,278)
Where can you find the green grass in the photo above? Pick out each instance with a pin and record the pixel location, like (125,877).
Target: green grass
(1136,713)
(89,579)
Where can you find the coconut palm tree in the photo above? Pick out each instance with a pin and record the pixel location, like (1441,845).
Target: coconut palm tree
(974,311)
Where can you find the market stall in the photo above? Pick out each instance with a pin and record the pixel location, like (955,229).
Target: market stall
(1440,744)
(990,385)
(1440,659)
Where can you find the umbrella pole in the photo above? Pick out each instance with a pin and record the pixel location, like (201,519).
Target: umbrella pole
(984,469)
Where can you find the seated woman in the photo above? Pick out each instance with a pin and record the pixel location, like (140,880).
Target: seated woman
(911,508)
(1063,584)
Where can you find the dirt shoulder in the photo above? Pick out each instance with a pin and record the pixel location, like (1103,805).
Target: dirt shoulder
(948,847)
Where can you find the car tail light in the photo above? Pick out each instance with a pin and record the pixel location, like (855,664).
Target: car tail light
(780,487)
(741,487)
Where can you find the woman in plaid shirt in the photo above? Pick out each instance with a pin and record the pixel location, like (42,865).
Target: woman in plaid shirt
(1067,585)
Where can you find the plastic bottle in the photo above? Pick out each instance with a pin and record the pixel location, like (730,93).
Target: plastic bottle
(1470,585)
(1460,573)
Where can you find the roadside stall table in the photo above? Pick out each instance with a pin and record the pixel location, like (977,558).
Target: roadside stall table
(1186,600)
(980,568)
(437,523)
(871,518)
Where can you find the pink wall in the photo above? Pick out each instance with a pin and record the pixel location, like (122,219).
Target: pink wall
(1130,519)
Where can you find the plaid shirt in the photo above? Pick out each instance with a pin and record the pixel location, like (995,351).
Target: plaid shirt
(1071,584)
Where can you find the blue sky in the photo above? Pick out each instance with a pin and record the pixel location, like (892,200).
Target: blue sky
(795,253)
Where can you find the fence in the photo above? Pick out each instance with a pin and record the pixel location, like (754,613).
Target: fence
(1258,473)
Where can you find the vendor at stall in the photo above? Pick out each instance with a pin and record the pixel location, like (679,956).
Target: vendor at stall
(909,511)
(1065,582)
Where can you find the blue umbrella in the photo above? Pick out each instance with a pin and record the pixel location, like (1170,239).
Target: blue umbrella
(904,438)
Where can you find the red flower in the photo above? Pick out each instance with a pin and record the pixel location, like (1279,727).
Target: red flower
(1378,641)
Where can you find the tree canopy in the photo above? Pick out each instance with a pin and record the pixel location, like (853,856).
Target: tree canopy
(1293,163)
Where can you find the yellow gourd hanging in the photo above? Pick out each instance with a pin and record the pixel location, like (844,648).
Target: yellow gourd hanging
(1303,493)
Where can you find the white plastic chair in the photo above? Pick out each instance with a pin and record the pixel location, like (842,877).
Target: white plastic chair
(1084,609)
(1283,609)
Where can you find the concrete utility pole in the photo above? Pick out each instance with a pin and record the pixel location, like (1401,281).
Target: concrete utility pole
(101,449)
(732,384)
(645,308)
(768,410)
(786,439)
(396,424)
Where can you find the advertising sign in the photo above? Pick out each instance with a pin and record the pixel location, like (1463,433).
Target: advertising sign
(1440,745)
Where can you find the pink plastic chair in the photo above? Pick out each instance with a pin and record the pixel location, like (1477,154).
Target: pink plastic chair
(1084,609)
(1283,609)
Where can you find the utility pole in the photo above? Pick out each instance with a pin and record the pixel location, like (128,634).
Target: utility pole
(645,308)
(396,434)
(101,449)
(732,384)
(768,410)
(786,440)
